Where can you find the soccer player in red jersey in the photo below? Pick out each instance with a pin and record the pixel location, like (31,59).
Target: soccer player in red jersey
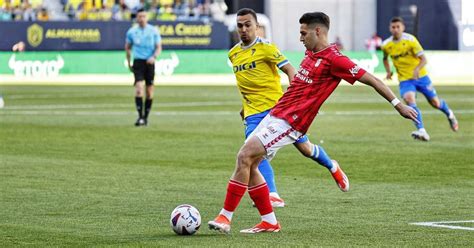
(320,72)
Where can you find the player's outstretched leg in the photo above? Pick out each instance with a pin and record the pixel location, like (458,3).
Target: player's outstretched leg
(318,154)
(426,88)
(443,107)
(321,157)
(340,177)
(453,122)
(266,170)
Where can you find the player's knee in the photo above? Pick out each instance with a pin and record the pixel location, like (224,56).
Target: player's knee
(435,102)
(244,159)
(139,93)
(409,99)
(139,89)
(305,148)
(306,151)
(149,93)
(247,156)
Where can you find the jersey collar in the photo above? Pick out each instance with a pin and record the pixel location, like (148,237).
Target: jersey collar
(401,38)
(251,44)
(330,45)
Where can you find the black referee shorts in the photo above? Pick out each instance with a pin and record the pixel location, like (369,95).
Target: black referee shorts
(143,71)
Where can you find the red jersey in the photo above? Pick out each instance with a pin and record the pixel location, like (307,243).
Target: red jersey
(318,76)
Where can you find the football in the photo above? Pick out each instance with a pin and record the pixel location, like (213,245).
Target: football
(185,220)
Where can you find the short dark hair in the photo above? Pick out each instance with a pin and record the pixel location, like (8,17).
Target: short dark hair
(315,18)
(397,19)
(246,11)
(141,10)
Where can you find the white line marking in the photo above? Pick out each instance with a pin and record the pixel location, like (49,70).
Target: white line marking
(120,113)
(52,96)
(442,224)
(118,105)
(351,99)
(193,113)
(335,99)
(390,112)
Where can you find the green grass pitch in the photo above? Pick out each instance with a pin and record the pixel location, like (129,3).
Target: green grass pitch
(74,171)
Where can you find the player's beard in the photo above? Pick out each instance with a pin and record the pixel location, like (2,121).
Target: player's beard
(306,46)
(245,39)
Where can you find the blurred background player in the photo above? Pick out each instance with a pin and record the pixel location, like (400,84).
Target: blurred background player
(145,42)
(409,60)
(321,70)
(256,63)
(374,43)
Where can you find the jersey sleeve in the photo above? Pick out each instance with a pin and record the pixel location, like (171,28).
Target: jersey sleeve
(275,56)
(343,67)
(416,47)
(128,37)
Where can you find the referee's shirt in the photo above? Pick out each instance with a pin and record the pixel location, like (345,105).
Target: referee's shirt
(143,41)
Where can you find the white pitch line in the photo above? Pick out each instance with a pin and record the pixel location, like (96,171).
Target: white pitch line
(197,104)
(442,224)
(52,96)
(122,105)
(121,113)
(197,113)
(66,106)
(348,99)
(334,99)
(389,112)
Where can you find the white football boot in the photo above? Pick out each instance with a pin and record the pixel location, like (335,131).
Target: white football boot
(420,135)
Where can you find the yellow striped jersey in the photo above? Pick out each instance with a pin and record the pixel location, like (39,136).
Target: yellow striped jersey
(404,54)
(256,70)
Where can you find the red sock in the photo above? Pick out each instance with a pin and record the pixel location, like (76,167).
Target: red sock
(235,191)
(261,197)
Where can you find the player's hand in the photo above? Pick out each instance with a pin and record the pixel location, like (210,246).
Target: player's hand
(389,75)
(130,67)
(407,112)
(416,73)
(150,60)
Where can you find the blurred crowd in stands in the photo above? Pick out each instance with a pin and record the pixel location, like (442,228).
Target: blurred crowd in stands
(110,10)
(30,10)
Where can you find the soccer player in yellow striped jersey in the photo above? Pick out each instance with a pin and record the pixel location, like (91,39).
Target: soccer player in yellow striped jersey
(256,63)
(409,60)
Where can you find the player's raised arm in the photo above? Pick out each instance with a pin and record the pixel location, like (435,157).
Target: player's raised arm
(387,93)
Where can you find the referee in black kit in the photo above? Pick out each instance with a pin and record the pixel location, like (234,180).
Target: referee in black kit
(144,41)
